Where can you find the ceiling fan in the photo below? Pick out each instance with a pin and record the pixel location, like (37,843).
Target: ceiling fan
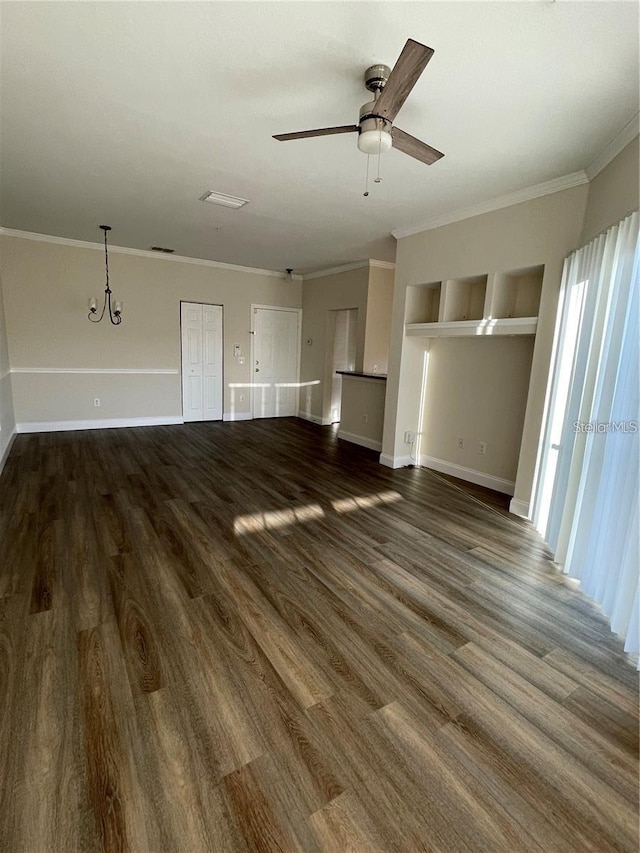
(375,129)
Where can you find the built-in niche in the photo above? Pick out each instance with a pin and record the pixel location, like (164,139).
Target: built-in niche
(423,303)
(517,293)
(464,298)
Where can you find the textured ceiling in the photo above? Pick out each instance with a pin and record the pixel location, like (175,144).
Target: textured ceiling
(126,113)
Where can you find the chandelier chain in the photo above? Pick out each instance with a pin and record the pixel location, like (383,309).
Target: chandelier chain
(106,261)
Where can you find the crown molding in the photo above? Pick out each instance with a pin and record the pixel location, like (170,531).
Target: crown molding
(356,265)
(575,179)
(145,253)
(614,147)
(141,253)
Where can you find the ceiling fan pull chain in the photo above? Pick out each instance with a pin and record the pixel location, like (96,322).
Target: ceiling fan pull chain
(366,183)
(377,179)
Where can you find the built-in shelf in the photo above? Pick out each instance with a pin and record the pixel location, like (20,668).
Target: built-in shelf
(474,328)
(502,303)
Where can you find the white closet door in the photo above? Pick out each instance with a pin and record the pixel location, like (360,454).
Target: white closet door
(192,361)
(201,327)
(276,345)
(212,362)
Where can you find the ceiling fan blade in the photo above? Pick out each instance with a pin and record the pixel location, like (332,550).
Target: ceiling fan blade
(414,147)
(404,76)
(323,131)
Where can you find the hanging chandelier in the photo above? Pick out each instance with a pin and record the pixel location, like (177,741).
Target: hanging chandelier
(115,313)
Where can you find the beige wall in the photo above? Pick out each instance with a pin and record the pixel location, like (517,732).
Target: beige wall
(319,297)
(378,324)
(7,421)
(46,287)
(362,415)
(369,290)
(541,231)
(476,389)
(613,193)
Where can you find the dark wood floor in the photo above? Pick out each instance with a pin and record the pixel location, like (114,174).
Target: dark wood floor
(496,500)
(246,637)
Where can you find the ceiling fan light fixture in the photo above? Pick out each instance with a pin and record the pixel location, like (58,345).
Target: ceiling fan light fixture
(374,135)
(374,141)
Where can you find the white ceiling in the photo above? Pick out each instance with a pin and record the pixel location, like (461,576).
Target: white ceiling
(125,113)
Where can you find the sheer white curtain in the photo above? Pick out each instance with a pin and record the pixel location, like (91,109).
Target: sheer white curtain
(585,500)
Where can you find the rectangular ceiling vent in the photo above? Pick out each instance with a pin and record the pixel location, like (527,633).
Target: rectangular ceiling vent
(224,200)
(162,249)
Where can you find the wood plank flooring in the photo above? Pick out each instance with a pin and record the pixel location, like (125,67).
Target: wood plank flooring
(252,637)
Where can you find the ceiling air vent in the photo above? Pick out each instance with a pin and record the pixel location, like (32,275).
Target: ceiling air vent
(162,249)
(223,200)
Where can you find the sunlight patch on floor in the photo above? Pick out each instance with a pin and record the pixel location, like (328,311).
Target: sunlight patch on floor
(365,501)
(276,519)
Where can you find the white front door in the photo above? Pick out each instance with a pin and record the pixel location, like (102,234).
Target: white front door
(201,329)
(275,362)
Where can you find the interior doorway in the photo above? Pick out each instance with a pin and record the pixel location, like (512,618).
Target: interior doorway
(276,361)
(344,353)
(201,336)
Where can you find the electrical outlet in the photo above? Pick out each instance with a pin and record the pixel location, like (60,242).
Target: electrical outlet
(242,398)
(365,418)
(409,437)
(96,401)
(460,442)
(482,448)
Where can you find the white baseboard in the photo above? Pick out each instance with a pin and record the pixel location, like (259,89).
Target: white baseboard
(7,450)
(498,484)
(395,461)
(371,443)
(314,419)
(237,416)
(98,423)
(520,508)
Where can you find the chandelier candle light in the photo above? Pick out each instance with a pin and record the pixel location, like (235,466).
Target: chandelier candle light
(115,313)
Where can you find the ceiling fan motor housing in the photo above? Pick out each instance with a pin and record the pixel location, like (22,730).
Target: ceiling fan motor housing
(375,132)
(376,76)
